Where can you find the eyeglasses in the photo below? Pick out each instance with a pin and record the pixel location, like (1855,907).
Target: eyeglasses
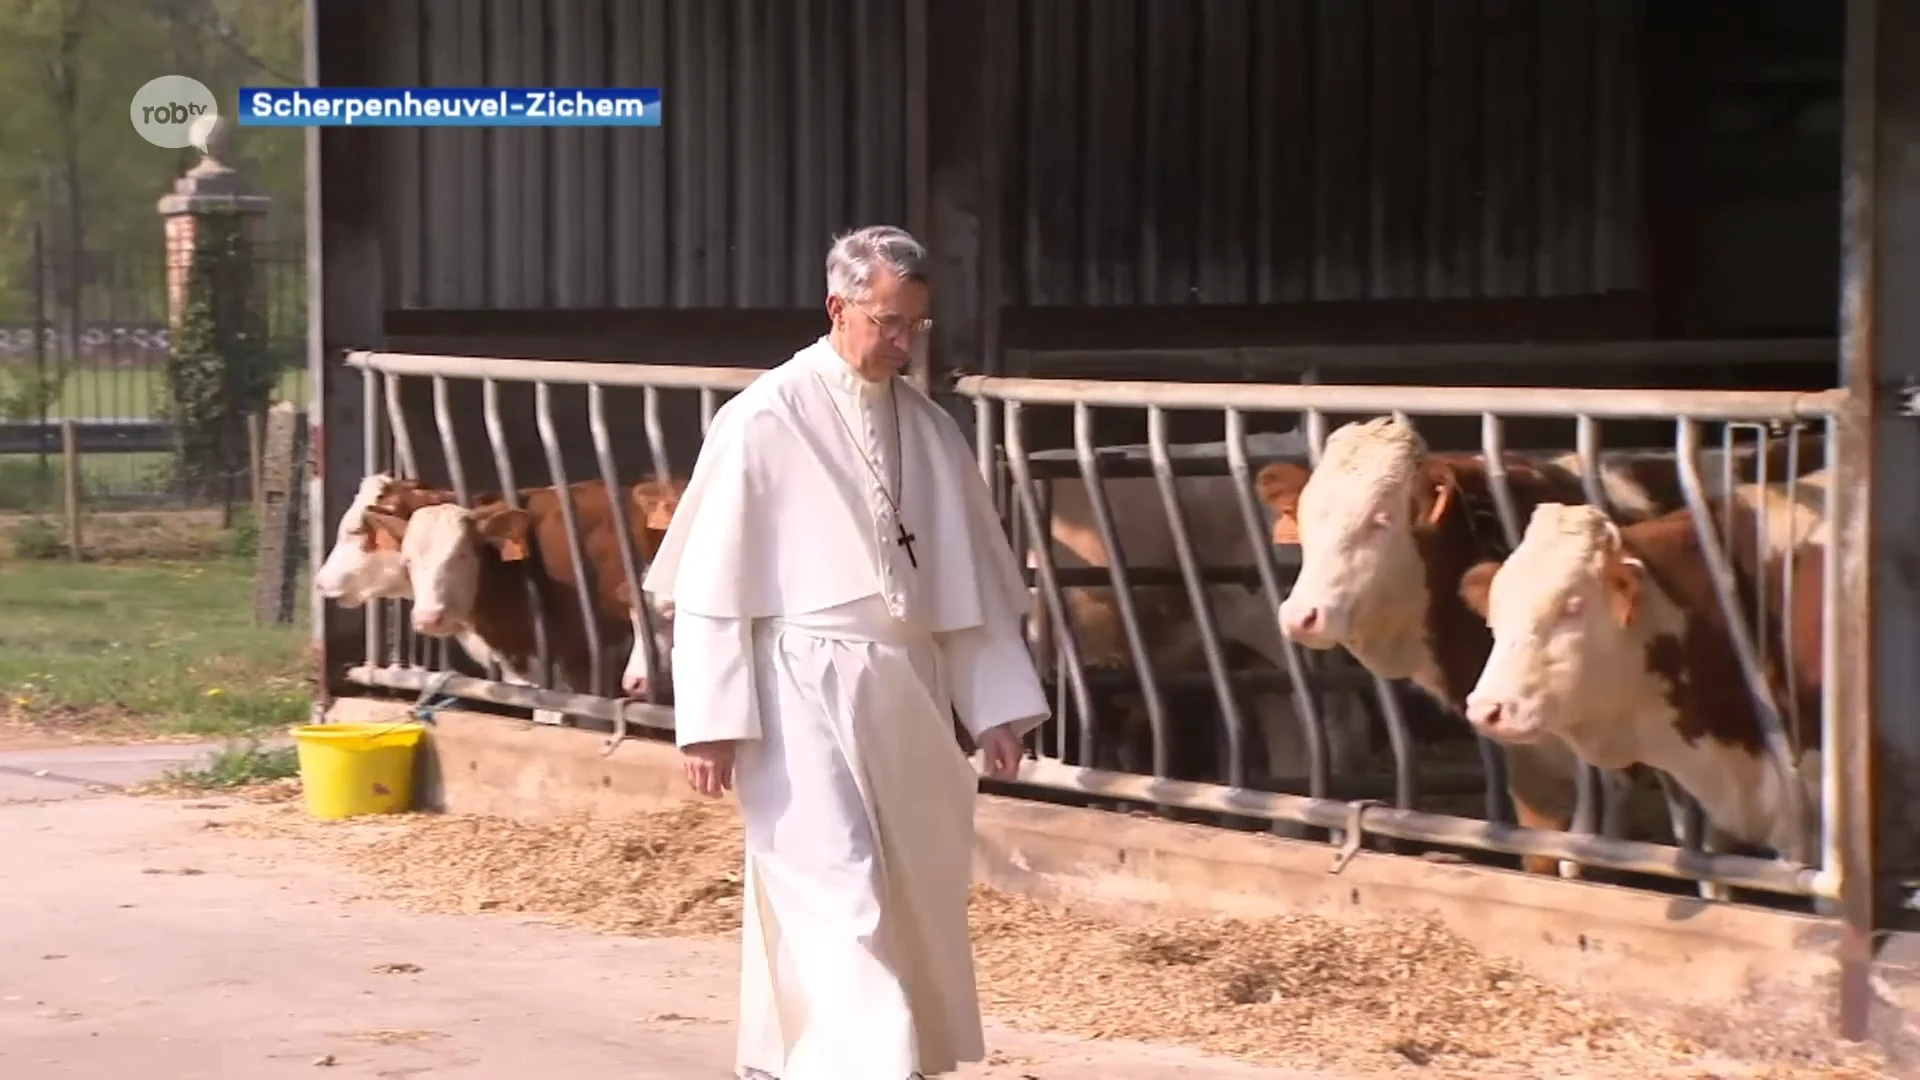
(894,325)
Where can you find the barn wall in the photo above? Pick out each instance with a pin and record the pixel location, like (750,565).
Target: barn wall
(783,124)
(1177,152)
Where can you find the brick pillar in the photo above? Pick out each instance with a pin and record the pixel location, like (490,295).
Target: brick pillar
(210,187)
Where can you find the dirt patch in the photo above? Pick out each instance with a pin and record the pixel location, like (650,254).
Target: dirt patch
(1394,994)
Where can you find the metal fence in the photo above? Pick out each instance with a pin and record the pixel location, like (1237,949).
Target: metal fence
(86,337)
(1393,798)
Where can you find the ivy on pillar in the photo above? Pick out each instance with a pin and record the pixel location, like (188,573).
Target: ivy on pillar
(219,368)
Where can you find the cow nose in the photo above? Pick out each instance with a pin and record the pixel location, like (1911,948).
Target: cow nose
(429,620)
(636,685)
(1486,714)
(1306,622)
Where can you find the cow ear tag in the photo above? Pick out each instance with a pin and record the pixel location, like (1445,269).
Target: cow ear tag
(1442,498)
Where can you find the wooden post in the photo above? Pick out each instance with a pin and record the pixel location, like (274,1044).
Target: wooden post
(276,568)
(70,486)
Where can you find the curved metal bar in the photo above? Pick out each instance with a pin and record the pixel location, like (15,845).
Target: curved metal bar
(1223,689)
(410,648)
(621,502)
(457,472)
(1687,450)
(1792,670)
(510,494)
(1681,808)
(656,433)
(569,520)
(1040,542)
(1122,589)
(370,458)
(1313,727)
(620,514)
(1493,447)
(709,404)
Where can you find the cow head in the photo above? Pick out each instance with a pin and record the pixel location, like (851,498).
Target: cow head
(364,563)
(654,502)
(443,546)
(1563,609)
(1354,518)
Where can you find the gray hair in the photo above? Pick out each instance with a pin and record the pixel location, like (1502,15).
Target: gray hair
(854,257)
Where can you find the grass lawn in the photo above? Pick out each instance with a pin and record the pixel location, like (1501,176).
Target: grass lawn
(131,649)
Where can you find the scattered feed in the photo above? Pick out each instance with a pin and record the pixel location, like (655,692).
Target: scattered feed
(1389,995)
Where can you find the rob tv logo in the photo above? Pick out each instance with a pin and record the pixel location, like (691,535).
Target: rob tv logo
(174,111)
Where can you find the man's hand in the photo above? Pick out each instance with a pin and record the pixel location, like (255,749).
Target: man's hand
(1002,751)
(709,767)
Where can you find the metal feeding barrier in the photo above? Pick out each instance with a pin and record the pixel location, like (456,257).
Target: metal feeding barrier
(400,660)
(1079,760)
(1746,422)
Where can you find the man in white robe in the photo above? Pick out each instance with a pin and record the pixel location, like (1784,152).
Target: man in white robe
(842,587)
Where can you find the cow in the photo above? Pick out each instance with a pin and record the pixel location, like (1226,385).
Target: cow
(470,570)
(364,564)
(1245,623)
(1385,532)
(1612,639)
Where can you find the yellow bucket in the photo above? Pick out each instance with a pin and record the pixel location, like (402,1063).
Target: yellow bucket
(352,769)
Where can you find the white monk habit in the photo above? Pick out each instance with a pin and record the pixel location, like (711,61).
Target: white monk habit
(806,628)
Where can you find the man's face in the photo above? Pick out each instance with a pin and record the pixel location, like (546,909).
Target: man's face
(877,334)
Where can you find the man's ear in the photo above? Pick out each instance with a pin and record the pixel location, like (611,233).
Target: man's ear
(506,530)
(1476,584)
(382,531)
(1278,487)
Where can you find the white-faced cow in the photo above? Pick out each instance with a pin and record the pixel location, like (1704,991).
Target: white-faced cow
(1386,530)
(470,570)
(1613,639)
(364,564)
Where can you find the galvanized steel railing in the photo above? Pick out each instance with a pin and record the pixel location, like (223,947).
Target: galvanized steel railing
(1001,405)
(1000,408)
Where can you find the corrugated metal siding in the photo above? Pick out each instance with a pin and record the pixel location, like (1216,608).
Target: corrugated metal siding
(1259,151)
(784,123)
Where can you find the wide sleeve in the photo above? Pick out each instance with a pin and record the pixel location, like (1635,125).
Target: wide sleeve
(713,692)
(991,677)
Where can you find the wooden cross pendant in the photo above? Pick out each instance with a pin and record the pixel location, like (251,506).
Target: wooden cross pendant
(905,539)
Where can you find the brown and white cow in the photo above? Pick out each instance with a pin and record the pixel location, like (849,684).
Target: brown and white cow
(1613,640)
(364,564)
(1244,621)
(470,569)
(1386,530)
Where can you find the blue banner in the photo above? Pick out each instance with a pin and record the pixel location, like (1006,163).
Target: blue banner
(448,106)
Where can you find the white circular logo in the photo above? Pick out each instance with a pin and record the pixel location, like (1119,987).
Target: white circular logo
(164,110)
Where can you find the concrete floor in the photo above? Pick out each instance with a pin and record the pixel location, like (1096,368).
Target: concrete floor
(137,941)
